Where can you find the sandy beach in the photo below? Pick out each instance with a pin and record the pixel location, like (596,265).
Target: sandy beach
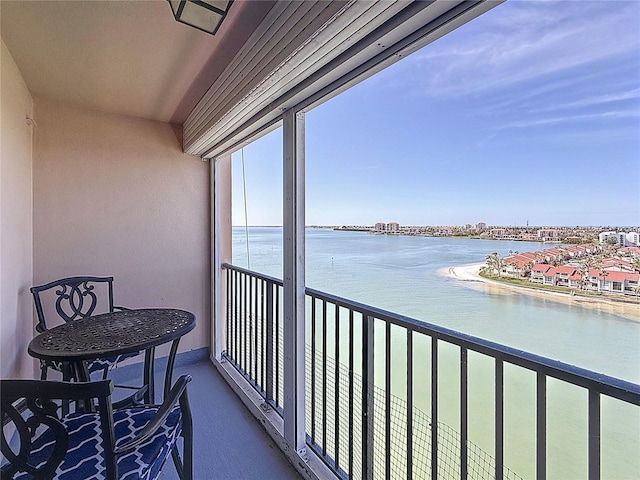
(470,277)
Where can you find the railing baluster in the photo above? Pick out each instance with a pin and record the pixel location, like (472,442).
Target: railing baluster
(238,319)
(541,426)
(434,408)
(240,323)
(244,326)
(365,399)
(594,435)
(228,293)
(263,336)
(464,410)
(249,320)
(256,334)
(249,338)
(324,377)
(236,315)
(313,370)
(368,407)
(499,426)
(409,404)
(269,349)
(336,390)
(277,342)
(259,335)
(351,436)
(253,332)
(387,400)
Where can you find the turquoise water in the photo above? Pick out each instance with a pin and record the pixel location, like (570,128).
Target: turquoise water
(400,274)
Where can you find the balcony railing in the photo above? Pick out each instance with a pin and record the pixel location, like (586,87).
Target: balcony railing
(376,406)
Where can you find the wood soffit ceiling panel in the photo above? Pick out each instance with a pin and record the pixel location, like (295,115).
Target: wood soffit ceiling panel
(126,57)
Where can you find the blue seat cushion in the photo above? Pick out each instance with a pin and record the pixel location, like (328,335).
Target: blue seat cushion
(85,455)
(108,363)
(100,364)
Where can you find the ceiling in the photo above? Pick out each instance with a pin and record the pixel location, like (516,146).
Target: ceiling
(126,57)
(305,53)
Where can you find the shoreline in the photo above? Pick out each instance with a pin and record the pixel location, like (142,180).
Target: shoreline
(469,276)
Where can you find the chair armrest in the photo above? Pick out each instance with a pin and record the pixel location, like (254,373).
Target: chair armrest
(17,389)
(177,392)
(132,400)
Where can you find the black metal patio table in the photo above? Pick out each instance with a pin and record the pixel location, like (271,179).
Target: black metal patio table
(116,333)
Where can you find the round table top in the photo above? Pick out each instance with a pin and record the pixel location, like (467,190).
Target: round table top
(115,333)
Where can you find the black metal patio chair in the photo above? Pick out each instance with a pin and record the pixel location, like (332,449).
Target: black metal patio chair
(94,441)
(70,299)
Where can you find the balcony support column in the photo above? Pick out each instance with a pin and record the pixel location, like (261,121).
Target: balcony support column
(294,281)
(220,250)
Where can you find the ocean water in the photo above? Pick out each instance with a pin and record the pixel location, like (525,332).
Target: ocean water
(403,274)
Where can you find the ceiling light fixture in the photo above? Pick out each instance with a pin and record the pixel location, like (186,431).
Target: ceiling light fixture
(203,15)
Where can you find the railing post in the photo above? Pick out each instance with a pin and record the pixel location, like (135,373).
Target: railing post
(294,287)
(541,426)
(594,435)
(434,408)
(409,403)
(464,412)
(499,418)
(368,407)
(220,171)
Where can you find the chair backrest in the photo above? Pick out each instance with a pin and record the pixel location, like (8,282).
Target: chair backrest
(38,442)
(73,298)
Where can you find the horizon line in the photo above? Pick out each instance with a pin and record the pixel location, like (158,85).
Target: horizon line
(472,226)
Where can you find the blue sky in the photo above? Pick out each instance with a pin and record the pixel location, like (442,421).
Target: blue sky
(530,112)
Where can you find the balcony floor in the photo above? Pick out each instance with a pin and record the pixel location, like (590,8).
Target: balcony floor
(228,441)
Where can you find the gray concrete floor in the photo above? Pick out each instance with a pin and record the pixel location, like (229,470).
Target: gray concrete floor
(229,443)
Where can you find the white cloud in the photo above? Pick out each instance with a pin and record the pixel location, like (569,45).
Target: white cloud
(575,118)
(523,42)
(595,100)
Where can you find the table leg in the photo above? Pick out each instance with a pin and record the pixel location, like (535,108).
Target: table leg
(149,357)
(81,373)
(170,363)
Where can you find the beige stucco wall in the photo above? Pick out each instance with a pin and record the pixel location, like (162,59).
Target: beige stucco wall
(16,258)
(114,195)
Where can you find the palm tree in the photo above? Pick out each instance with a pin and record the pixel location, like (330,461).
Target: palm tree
(604,274)
(583,272)
(528,267)
(587,265)
(494,262)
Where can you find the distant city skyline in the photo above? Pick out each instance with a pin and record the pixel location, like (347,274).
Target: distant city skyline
(462,225)
(530,112)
